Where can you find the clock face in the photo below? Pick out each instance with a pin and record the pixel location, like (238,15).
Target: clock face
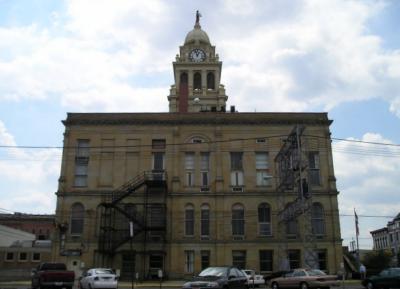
(197,55)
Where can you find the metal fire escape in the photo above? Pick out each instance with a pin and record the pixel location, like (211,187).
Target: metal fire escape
(133,217)
(292,168)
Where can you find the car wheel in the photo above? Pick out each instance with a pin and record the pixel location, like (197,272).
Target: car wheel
(274,285)
(370,285)
(303,285)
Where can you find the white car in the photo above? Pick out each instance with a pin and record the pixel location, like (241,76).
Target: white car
(99,278)
(258,279)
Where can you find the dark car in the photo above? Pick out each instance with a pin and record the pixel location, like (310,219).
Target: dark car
(226,277)
(388,278)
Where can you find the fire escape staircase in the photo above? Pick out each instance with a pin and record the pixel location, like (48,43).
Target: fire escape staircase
(115,220)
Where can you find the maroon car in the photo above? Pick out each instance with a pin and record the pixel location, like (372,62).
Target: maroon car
(52,275)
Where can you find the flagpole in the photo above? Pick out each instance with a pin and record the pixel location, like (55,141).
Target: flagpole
(357,233)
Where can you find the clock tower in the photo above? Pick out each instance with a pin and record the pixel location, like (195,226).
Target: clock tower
(197,73)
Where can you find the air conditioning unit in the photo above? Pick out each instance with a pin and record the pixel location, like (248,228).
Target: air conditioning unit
(204,189)
(237,189)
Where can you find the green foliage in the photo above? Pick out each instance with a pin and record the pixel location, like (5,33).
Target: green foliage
(377,260)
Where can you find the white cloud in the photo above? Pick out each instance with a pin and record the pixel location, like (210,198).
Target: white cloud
(368,180)
(28,177)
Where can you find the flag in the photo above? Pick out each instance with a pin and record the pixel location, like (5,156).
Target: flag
(356,220)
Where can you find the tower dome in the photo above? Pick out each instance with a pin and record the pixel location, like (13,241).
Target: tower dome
(197,35)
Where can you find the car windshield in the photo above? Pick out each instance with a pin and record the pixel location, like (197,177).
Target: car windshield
(214,271)
(315,272)
(104,271)
(248,272)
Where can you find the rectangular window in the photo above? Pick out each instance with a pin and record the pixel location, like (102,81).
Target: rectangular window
(158,144)
(236,161)
(189,261)
(204,168)
(266,260)
(205,259)
(9,256)
(314,173)
(156,261)
(291,228)
(264,220)
(23,256)
(189,167)
(35,257)
(189,222)
(158,161)
(262,169)
(81,163)
(238,223)
(82,149)
(321,254)
(294,259)
(239,258)
(237,178)
(205,223)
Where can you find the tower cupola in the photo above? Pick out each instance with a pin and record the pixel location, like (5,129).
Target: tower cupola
(197,73)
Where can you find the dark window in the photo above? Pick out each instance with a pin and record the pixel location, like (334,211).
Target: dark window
(317,219)
(266,260)
(205,221)
(23,256)
(197,80)
(130,210)
(205,259)
(239,259)
(294,259)
(184,78)
(156,261)
(264,220)
(77,219)
(158,161)
(238,220)
(236,161)
(189,220)
(210,80)
(9,256)
(35,256)
(321,259)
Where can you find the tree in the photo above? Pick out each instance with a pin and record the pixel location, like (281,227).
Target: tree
(376,261)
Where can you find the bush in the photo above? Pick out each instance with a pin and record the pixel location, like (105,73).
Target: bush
(376,261)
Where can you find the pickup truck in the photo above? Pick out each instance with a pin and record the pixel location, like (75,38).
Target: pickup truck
(52,275)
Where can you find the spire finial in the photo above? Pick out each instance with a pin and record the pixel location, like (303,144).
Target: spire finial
(197,24)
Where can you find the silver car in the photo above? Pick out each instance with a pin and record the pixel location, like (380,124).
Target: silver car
(99,278)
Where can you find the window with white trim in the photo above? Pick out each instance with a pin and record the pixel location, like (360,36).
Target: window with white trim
(189,168)
(314,171)
(204,168)
(262,169)
(189,261)
(264,220)
(35,257)
(23,256)
(236,168)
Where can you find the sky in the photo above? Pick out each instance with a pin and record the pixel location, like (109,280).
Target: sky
(335,56)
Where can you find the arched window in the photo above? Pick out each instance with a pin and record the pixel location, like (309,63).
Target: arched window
(189,220)
(77,218)
(210,80)
(184,78)
(238,220)
(205,221)
(318,219)
(264,220)
(197,80)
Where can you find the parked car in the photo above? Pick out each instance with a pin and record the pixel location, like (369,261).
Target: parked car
(304,279)
(273,275)
(54,275)
(388,278)
(258,279)
(219,277)
(98,278)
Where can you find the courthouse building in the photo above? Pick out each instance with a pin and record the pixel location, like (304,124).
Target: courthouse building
(194,187)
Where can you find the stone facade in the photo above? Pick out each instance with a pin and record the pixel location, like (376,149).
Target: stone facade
(221,195)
